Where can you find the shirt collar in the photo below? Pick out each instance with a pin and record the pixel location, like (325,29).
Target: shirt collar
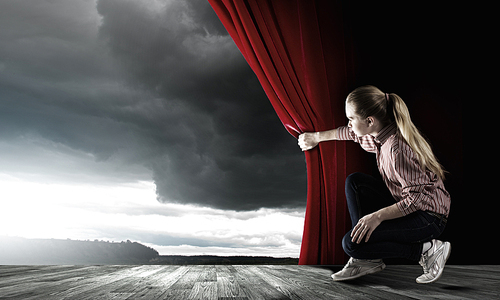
(385,133)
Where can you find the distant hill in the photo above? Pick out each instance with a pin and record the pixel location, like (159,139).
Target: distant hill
(15,251)
(21,251)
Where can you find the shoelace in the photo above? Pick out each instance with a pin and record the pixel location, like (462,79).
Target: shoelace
(349,263)
(423,263)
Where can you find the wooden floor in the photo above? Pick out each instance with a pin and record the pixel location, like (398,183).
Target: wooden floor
(240,282)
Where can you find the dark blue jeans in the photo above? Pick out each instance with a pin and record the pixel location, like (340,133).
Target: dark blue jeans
(398,238)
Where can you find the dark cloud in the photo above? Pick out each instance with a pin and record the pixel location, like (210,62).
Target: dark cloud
(231,151)
(154,88)
(58,92)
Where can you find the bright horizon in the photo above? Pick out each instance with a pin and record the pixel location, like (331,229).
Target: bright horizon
(131,212)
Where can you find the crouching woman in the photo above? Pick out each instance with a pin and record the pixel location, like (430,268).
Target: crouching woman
(403,215)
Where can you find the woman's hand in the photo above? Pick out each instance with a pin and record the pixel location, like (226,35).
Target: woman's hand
(308,140)
(366,225)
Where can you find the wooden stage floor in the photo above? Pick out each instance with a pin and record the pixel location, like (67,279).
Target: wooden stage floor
(241,282)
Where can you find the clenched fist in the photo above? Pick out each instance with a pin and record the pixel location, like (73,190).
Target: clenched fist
(308,140)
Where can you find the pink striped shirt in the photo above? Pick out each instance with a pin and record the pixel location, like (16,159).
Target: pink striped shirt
(412,188)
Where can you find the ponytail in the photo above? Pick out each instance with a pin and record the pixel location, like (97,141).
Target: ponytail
(370,101)
(413,137)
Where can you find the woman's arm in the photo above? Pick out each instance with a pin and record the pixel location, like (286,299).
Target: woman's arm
(389,213)
(367,224)
(309,140)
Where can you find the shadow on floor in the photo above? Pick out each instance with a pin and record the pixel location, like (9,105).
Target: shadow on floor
(378,279)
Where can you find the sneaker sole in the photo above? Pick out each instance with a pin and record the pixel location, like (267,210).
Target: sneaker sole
(447,250)
(370,271)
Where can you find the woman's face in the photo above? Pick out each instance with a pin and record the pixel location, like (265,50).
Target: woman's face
(359,126)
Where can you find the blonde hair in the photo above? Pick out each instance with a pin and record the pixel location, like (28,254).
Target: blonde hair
(387,108)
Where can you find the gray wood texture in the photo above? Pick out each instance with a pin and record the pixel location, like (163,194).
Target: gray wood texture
(241,282)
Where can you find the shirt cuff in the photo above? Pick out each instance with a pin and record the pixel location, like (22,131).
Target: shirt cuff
(406,207)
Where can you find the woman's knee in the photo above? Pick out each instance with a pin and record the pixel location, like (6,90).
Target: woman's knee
(353,179)
(349,246)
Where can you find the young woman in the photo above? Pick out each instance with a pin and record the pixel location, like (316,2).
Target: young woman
(403,215)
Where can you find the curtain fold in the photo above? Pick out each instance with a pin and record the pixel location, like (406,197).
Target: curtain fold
(296,49)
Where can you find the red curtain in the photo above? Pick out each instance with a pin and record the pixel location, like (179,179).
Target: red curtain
(296,49)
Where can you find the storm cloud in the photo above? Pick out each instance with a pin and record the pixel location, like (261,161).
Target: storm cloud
(123,91)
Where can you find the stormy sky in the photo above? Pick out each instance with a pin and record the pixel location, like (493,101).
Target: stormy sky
(125,109)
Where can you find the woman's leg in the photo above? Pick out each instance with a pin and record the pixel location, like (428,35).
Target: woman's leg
(398,238)
(365,194)
(402,237)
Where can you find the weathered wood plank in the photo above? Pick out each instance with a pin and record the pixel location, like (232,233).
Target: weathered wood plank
(240,282)
(159,284)
(357,289)
(205,286)
(46,273)
(103,285)
(295,287)
(227,286)
(36,280)
(204,290)
(400,281)
(254,286)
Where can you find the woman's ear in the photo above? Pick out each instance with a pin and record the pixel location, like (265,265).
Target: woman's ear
(370,121)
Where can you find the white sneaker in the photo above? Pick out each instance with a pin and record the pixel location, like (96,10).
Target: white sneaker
(358,267)
(433,261)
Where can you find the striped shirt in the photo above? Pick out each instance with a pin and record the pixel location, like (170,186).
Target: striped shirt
(412,188)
